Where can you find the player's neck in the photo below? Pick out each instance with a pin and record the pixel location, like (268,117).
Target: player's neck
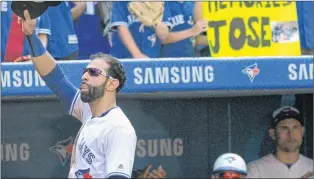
(101,105)
(287,157)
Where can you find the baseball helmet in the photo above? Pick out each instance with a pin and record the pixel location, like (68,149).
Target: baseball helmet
(230,162)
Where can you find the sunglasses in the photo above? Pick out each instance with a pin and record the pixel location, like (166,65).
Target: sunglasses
(95,72)
(229,175)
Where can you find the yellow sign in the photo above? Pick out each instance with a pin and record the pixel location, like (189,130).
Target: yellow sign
(252,28)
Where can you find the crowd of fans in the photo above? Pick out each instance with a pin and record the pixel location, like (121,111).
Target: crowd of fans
(63,31)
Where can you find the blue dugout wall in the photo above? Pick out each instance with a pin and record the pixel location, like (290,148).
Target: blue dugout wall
(186,112)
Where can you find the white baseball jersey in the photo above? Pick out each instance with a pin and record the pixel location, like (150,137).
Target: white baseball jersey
(105,145)
(269,167)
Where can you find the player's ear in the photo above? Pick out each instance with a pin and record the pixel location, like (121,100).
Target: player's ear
(271,133)
(112,84)
(302,130)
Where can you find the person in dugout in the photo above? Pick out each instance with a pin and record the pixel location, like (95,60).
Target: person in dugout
(229,165)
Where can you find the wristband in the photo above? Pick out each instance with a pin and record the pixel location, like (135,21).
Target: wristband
(36,48)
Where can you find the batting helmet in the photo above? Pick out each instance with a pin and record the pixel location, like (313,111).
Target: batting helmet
(230,162)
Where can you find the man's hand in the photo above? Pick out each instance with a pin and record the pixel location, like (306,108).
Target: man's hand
(77,3)
(199,27)
(145,172)
(28,25)
(23,58)
(307,175)
(159,173)
(162,30)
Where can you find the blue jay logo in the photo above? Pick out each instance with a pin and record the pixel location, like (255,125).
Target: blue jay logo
(83,173)
(230,159)
(251,71)
(63,149)
(152,39)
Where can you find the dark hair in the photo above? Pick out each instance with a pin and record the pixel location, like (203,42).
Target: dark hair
(136,173)
(116,69)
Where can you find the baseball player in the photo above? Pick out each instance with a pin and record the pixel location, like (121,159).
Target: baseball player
(42,29)
(105,144)
(180,41)
(129,41)
(229,165)
(287,131)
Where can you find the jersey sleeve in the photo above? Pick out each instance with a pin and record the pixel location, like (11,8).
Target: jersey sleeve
(66,92)
(44,25)
(119,15)
(119,150)
(76,107)
(252,171)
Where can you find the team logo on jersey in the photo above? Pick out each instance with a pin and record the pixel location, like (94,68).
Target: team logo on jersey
(251,71)
(120,168)
(190,21)
(63,149)
(230,159)
(83,173)
(152,39)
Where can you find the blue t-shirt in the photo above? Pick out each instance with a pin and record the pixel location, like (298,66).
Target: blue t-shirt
(147,41)
(63,41)
(181,19)
(89,33)
(306,24)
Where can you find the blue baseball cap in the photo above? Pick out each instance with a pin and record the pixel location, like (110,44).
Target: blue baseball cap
(286,112)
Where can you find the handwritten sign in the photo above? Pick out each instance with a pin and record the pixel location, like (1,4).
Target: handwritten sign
(252,28)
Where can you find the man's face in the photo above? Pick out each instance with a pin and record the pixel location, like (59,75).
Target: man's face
(93,85)
(289,134)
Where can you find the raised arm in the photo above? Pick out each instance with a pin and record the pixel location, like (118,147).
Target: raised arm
(47,66)
(78,9)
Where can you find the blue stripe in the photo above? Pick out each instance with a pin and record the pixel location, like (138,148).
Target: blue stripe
(114,24)
(105,113)
(73,102)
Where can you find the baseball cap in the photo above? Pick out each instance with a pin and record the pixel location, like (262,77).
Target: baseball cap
(285,112)
(230,162)
(35,8)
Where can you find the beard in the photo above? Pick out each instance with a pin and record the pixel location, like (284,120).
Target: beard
(289,147)
(93,93)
